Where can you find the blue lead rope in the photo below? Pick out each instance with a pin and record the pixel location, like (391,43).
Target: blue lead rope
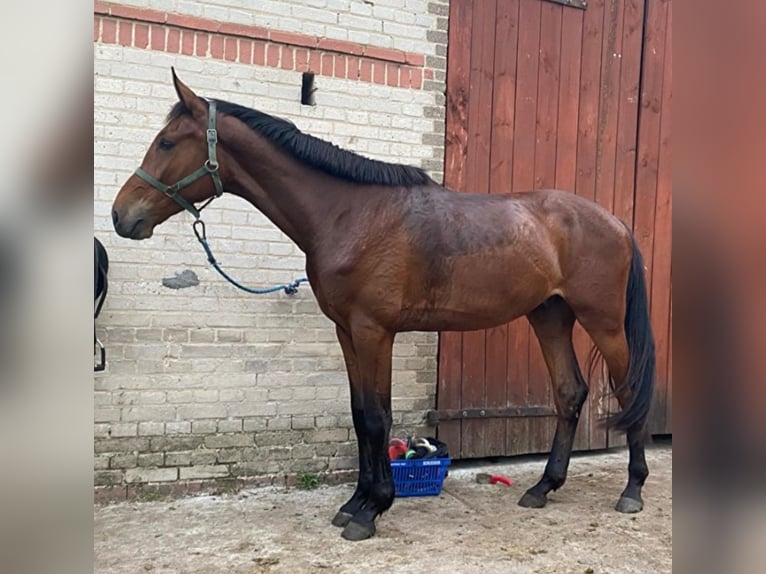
(288,288)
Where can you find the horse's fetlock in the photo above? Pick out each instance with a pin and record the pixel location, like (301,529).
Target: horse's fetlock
(383,495)
(638,472)
(555,479)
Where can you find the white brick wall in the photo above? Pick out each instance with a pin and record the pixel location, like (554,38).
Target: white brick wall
(198,362)
(398,24)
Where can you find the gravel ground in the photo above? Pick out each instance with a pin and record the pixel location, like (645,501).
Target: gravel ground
(469,528)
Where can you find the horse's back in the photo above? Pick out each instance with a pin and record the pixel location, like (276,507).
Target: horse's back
(463,223)
(569,220)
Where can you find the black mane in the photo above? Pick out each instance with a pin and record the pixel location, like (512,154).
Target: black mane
(318,153)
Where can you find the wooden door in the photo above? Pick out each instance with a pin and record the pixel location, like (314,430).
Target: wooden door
(542,94)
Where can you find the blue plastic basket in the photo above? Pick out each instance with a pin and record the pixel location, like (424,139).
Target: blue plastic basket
(419,477)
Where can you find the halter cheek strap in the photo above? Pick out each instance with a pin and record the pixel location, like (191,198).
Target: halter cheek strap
(210,167)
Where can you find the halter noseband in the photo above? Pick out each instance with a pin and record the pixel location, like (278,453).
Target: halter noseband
(209,167)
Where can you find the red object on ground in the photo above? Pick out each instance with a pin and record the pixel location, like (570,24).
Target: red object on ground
(497,478)
(397,449)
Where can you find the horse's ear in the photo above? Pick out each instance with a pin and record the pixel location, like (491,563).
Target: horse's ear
(196,105)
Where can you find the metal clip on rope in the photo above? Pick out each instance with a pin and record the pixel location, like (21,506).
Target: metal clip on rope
(288,288)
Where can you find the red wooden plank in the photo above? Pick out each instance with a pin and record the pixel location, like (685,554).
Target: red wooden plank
(622,177)
(666,183)
(526,95)
(539,391)
(449,387)
(650,117)
(546,133)
(663,241)
(566,152)
(456,128)
(649,132)
(611,60)
(473,392)
(503,135)
(669,410)
(569,99)
(590,90)
(458,87)
(496,365)
(501,163)
(504,97)
(519,332)
(473,432)
(627,122)
(626,129)
(475,438)
(585,186)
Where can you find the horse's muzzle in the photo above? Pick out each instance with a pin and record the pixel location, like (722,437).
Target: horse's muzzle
(130,228)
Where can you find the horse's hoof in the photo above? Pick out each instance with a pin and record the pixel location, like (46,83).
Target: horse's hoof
(530,500)
(357,531)
(629,505)
(341,519)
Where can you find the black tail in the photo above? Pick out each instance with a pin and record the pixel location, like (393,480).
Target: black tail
(641,367)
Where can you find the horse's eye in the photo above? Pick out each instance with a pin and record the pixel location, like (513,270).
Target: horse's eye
(166,144)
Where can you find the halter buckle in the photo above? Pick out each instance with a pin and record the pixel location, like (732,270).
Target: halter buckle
(212,136)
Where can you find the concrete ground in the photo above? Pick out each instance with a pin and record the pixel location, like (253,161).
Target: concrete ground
(469,528)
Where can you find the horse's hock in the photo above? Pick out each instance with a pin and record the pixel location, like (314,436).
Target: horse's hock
(206,385)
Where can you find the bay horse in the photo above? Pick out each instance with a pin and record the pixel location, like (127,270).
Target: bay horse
(389,250)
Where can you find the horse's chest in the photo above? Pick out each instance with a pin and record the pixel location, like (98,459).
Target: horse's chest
(333,288)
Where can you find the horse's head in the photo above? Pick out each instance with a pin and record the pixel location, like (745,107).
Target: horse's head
(179,169)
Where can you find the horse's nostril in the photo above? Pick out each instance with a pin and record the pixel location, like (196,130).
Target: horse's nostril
(136,225)
(115,216)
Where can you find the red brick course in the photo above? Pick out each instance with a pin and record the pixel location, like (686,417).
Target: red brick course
(190,35)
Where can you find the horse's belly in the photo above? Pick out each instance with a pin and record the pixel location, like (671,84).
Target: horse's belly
(479,308)
(455,321)
(481,296)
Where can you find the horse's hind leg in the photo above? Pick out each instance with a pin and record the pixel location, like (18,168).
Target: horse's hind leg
(553,322)
(613,346)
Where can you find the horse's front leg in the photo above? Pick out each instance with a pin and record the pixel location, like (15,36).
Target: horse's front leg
(364,482)
(373,347)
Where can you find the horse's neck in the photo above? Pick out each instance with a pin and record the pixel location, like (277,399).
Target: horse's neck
(298,200)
